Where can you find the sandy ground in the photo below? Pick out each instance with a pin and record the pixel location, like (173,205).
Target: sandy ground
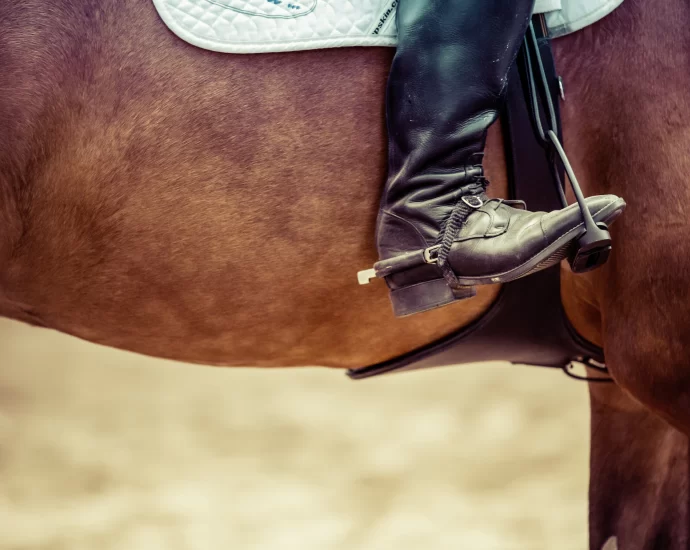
(106,450)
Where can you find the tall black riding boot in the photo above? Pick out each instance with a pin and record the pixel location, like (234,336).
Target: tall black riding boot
(438,234)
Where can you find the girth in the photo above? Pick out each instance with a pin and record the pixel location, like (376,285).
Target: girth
(527,323)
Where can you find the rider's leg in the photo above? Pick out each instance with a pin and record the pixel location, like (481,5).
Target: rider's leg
(438,233)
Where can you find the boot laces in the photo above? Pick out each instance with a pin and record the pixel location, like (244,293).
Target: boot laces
(477,188)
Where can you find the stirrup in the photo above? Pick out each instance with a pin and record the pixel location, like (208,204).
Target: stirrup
(594,245)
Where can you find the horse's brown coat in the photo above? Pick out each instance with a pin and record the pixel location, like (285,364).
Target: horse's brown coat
(215,208)
(193,205)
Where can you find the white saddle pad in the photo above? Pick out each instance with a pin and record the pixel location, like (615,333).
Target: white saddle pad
(256,26)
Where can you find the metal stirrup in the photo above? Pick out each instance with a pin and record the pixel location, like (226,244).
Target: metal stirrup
(594,245)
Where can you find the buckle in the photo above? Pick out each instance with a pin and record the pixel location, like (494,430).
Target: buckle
(473,201)
(431,254)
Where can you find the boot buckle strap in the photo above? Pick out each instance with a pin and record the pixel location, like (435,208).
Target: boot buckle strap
(473,201)
(431,254)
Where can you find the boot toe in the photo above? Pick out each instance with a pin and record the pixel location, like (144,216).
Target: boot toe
(603,208)
(532,240)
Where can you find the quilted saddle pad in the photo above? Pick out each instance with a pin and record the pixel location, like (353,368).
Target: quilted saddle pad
(256,26)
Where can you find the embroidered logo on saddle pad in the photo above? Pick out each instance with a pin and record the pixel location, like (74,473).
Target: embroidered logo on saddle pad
(272,9)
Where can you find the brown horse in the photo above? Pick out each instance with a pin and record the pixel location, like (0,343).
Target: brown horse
(215,208)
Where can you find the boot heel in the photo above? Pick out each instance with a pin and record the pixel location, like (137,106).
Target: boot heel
(425,296)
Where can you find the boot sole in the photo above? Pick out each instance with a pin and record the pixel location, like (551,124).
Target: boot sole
(551,255)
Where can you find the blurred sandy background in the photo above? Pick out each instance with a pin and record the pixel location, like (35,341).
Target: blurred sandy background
(106,450)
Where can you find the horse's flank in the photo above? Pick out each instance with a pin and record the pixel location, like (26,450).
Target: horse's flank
(186,204)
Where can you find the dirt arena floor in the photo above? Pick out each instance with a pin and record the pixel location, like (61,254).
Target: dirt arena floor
(106,450)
